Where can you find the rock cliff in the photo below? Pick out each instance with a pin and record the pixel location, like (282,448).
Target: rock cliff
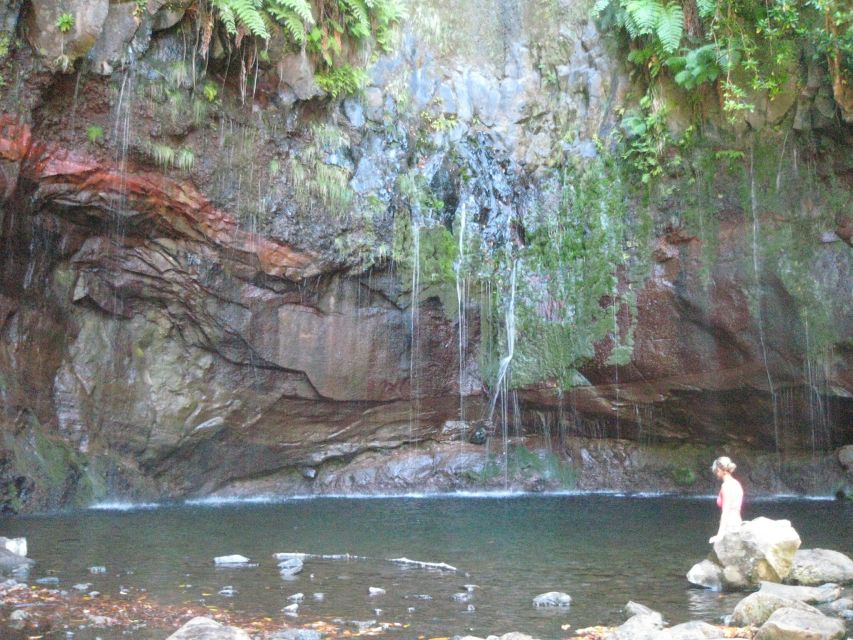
(218,280)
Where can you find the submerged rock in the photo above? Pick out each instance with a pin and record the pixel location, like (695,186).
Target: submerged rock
(552,599)
(231,561)
(706,574)
(793,624)
(819,566)
(202,628)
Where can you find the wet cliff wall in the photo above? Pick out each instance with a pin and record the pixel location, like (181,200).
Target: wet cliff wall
(219,279)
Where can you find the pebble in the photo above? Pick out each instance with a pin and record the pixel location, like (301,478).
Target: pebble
(227,591)
(296,597)
(319,597)
(95,570)
(462,596)
(375,591)
(48,580)
(82,586)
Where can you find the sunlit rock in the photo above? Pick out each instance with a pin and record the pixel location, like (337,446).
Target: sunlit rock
(761,549)
(643,626)
(793,624)
(234,560)
(10,562)
(706,574)
(15,545)
(64,32)
(757,607)
(819,566)
(811,595)
(202,628)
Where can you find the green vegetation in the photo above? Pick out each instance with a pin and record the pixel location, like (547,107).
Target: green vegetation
(166,157)
(743,45)
(522,463)
(65,22)
(328,30)
(94,134)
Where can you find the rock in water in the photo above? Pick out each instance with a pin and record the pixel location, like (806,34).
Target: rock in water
(231,561)
(819,566)
(643,626)
(761,549)
(290,567)
(206,629)
(813,595)
(15,545)
(792,624)
(552,599)
(706,574)
(756,608)
(10,562)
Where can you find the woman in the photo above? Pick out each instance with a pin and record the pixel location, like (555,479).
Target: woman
(730,498)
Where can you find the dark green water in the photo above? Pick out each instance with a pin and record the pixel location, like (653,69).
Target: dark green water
(602,550)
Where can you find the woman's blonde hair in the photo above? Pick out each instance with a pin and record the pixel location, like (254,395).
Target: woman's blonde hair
(725,463)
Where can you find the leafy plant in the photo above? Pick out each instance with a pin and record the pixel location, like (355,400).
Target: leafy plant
(94,134)
(65,22)
(210,91)
(341,81)
(242,14)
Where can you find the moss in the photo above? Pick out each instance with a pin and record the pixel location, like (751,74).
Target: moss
(684,476)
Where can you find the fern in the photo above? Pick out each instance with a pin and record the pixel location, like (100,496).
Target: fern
(245,13)
(707,8)
(670,26)
(357,18)
(643,16)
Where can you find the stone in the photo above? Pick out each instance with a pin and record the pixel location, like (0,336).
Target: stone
(97,569)
(757,607)
(643,626)
(845,457)
(819,566)
(49,42)
(18,615)
(167,13)
(811,595)
(841,606)
(297,634)
(119,29)
(693,630)
(202,628)
(17,546)
(289,567)
(375,591)
(354,111)
(635,608)
(297,72)
(232,560)
(552,599)
(706,574)
(11,562)
(761,549)
(793,624)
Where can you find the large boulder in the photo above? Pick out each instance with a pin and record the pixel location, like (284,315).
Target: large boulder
(202,628)
(761,549)
(10,562)
(819,566)
(66,30)
(756,608)
(812,595)
(793,624)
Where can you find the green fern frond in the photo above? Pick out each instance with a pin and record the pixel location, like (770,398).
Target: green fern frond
(301,8)
(645,15)
(357,18)
(670,27)
(707,8)
(247,12)
(599,7)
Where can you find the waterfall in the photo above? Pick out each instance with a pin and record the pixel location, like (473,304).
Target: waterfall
(753,201)
(509,320)
(414,328)
(461,304)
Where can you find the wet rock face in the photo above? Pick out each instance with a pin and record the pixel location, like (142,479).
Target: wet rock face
(153,341)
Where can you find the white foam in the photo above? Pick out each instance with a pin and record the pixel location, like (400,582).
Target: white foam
(124,506)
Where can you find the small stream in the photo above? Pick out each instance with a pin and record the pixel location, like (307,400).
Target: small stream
(603,550)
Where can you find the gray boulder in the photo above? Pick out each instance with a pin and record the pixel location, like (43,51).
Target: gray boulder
(202,628)
(15,545)
(811,595)
(693,630)
(643,626)
(761,549)
(706,574)
(819,566)
(792,624)
(86,22)
(10,562)
(756,608)
(635,608)
(552,599)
